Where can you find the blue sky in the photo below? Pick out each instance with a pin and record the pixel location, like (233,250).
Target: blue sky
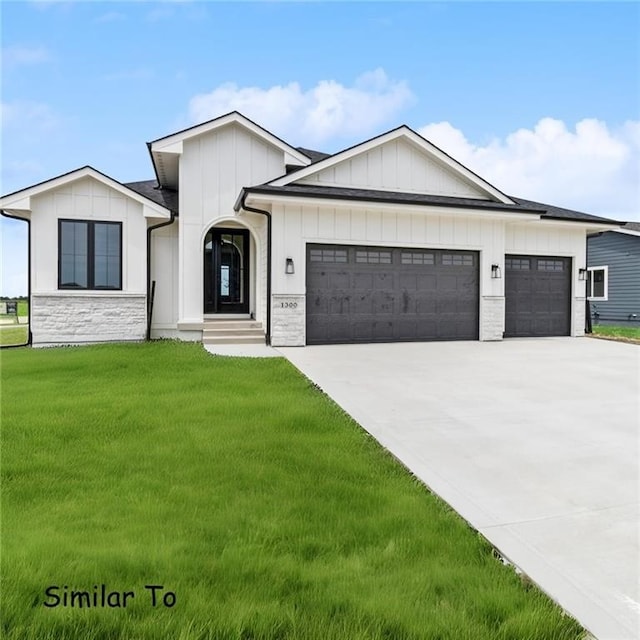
(542,99)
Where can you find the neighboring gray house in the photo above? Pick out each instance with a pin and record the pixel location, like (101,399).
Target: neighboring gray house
(613,285)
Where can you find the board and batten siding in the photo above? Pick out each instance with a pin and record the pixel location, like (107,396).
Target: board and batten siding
(213,169)
(294,226)
(64,316)
(621,254)
(164,270)
(395,166)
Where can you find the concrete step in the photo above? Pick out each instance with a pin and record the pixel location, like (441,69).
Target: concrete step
(233,339)
(232,331)
(231,324)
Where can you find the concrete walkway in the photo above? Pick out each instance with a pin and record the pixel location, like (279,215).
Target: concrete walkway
(533,441)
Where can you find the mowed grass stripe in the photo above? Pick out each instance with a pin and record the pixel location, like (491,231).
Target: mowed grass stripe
(238,485)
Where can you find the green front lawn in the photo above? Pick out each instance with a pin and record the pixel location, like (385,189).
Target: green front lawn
(616,332)
(240,487)
(13,334)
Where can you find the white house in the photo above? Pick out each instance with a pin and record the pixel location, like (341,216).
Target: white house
(243,237)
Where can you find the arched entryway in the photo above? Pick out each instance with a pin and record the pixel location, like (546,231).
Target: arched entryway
(226,271)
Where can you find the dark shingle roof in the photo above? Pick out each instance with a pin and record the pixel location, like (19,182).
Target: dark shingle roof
(149,189)
(371,195)
(314,156)
(560,213)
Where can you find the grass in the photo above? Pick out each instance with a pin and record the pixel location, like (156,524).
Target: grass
(13,335)
(616,332)
(240,487)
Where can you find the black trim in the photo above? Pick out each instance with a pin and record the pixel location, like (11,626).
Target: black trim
(390,197)
(91,257)
(166,223)
(266,213)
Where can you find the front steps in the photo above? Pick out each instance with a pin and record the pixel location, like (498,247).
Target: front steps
(232,331)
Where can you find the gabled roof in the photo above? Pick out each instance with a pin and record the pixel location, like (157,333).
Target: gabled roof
(165,151)
(408,134)
(21,200)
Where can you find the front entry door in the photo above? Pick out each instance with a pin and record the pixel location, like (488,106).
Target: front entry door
(226,271)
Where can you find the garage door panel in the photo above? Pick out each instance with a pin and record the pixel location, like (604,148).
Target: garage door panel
(537,296)
(392,294)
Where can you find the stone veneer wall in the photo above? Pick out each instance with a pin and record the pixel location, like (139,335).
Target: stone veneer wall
(288,320)
(81,318)
(492,318)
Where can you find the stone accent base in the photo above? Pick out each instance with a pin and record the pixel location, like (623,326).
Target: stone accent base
(80,319)
(288,320)
(492,318)
(579,316)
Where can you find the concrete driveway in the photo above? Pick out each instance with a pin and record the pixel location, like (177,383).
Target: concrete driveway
(533,441)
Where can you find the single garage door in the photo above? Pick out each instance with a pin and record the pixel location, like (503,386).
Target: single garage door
(381,294)
(537,296)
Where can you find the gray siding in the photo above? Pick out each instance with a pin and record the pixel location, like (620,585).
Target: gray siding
(621,253)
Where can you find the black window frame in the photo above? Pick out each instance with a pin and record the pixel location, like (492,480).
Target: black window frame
(91,257)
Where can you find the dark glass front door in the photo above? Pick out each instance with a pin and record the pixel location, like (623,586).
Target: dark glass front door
(226,271)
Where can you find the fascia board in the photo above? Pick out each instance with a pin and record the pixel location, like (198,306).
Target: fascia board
(337,203)
(168,142)
(626,232)
(573,224)
(24,196)
(412,137)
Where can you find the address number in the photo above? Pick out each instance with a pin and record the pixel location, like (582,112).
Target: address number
(288,305)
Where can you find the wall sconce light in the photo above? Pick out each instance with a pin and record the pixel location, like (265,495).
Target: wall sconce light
(582,274)
(290,267)
(495,271)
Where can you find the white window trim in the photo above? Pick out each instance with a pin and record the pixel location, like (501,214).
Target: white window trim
(605,297)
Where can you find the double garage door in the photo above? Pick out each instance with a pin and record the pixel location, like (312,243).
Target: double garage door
(381,294)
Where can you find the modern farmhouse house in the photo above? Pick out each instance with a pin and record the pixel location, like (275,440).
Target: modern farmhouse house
(243,237)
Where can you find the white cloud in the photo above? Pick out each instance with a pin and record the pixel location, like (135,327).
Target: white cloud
(312,116)
(592,168)
(17,56)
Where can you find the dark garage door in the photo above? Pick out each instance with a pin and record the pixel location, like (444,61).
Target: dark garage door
(381,294)
(538,296)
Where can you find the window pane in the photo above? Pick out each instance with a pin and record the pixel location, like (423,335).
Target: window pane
(106,255)
(598,283)
(73,258)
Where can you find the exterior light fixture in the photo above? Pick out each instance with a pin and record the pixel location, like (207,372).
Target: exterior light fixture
(289,269)
(495,271)
(582,274)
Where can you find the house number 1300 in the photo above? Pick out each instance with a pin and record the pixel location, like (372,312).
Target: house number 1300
(288,305)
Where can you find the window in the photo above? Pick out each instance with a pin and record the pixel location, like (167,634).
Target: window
(597,283)
(417,258)
(457,259)
(517,264)
(89,255)
(328,255)
(373,257)
(550,265)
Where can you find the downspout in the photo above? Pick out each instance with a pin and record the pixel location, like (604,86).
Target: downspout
(29,334)
(166,223)
(268,215)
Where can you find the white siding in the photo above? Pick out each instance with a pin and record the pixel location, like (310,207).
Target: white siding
(213,169)
(396,166)
(164,270)
(86,199)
